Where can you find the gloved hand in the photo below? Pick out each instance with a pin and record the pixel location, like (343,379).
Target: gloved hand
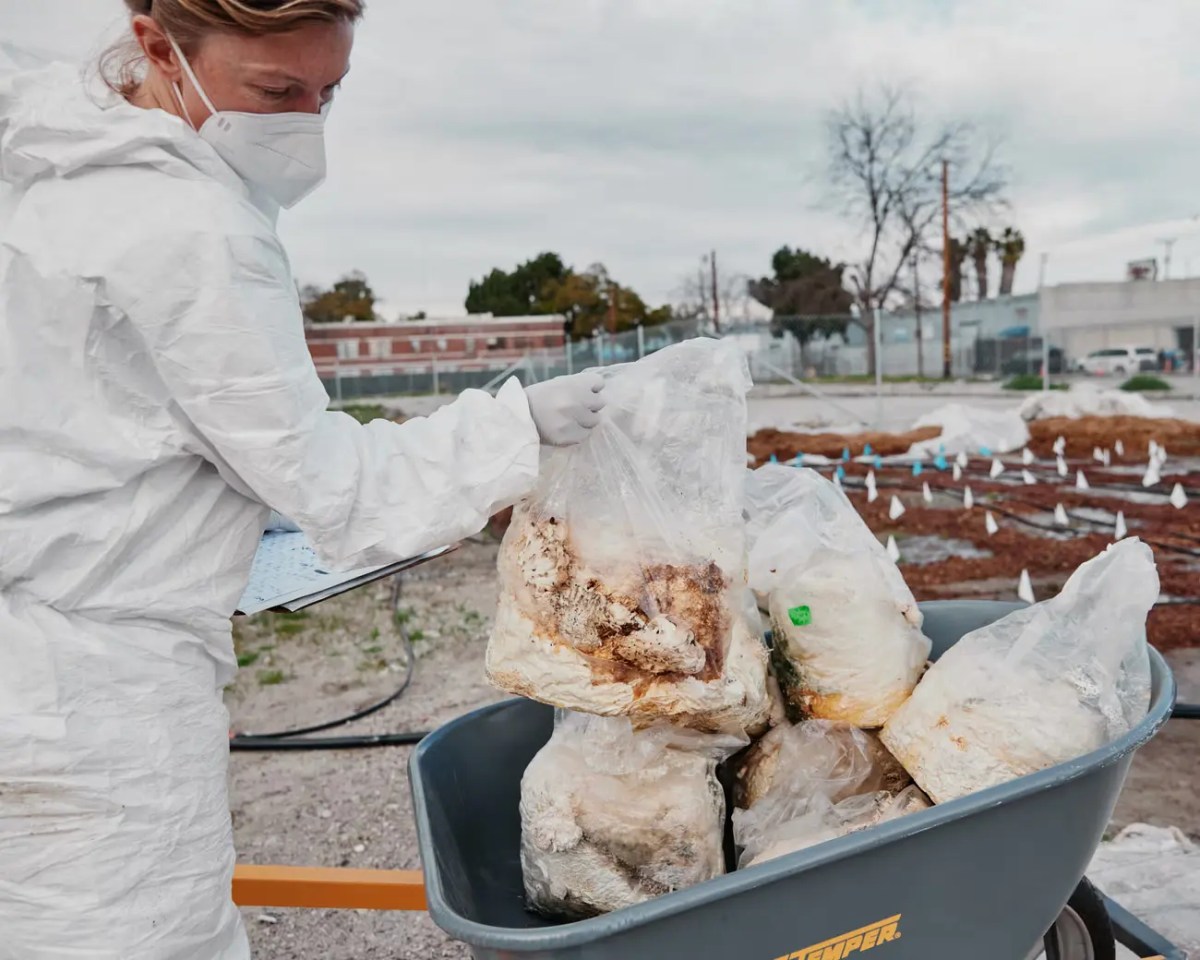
(566,409)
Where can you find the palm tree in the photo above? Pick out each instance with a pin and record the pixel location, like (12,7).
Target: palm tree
(979,248)
(1012,247)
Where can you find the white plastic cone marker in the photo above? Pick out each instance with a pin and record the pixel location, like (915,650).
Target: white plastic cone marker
(1080,480)
(1120,532)
(895,509)
(962,460)
(1060,516)
(968,499)
(957,472)
(1062,467)
(1107,457)
(1160,455)
(926,493)
(1120,448)
(1060,446)
(1027,456)
(990,523)
(893,551)
(1178,497)
(1152,476)
(1028,478)
(837,481)
(1025,588)
(1152,449)
(997,469)
(872,492)
(1097,455)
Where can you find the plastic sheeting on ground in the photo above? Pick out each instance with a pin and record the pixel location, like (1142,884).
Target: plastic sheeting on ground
(970,430)
(1154,873)
(1087,400)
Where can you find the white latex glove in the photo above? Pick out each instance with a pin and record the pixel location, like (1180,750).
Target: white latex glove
(566,409)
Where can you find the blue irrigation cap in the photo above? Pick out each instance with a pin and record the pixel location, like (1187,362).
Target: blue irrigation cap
(985,452)
(774,459)
(878,462)
(841,472)
(917,468)
(798,460)
(940,462)
(845,453)
(867,450)
(941,448)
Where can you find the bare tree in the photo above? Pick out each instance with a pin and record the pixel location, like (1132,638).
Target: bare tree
(693,296)
(885,173)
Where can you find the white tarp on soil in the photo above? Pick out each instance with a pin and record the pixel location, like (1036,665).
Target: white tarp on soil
(1154,873)
(1088,400)
(971,430)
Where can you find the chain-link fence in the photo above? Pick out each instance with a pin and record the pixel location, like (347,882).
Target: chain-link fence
(774,352)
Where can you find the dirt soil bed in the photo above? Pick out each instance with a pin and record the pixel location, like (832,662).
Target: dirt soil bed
(1082,436)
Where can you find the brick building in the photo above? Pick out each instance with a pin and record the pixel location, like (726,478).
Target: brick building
(476,342)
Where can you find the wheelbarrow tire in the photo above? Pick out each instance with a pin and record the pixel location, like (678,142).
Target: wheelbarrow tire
(1083,930)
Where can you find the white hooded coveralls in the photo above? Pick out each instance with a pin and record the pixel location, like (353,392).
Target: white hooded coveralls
(156,395)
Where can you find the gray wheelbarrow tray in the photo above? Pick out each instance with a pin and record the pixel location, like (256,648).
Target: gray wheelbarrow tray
(982,877)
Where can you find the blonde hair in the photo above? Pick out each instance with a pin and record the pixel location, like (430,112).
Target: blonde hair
(187,21)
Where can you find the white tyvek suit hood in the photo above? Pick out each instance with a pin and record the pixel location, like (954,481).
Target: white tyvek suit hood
(156,397)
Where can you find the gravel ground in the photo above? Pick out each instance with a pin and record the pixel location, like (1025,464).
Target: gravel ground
(352,808)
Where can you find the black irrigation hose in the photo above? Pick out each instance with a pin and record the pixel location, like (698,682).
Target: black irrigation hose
(298,739)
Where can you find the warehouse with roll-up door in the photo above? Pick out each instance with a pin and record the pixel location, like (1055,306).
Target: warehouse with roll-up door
(1085,317)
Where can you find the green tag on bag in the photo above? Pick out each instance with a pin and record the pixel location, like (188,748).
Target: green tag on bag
(800,616)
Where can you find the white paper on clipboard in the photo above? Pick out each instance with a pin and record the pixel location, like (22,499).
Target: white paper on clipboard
(287,573)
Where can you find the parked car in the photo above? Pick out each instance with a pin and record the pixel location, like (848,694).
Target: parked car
(1030,361)
(1119,361)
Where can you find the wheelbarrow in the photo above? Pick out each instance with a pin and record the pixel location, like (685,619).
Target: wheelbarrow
(991,876)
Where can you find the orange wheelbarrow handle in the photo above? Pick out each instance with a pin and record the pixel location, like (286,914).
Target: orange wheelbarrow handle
(328,887)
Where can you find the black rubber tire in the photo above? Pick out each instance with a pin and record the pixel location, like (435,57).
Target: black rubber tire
(1085,909)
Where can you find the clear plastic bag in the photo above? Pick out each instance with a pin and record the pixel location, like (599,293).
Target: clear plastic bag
(825,820)
(612,816)
(1044,685)
(848,641)
(621,577)
(796,770)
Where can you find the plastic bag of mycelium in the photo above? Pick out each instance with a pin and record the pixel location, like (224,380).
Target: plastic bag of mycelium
(1044,685)
(612,816)
(848,640)
(622,576)
(800,785)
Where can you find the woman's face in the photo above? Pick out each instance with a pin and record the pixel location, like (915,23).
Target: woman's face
(293,72)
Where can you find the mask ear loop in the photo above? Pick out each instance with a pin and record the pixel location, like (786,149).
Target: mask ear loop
(190,74)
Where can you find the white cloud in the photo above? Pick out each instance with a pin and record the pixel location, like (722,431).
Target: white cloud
(645,132)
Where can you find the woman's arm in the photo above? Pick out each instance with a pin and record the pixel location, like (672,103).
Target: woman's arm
(221,322)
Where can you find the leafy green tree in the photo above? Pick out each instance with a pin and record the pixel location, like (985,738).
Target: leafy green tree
(351,297)
(519,292)
(806,295)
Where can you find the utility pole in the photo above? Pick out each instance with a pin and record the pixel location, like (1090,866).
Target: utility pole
(716,299)
(946,372)
(1168,243)
(917,311)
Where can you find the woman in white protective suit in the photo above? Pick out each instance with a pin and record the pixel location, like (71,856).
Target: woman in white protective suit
(156,399)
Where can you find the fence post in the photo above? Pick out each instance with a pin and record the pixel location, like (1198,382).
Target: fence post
(1045,362)
(570,358)
(878,333)
(337,380)
(599,348)
(641,340)
(436,385)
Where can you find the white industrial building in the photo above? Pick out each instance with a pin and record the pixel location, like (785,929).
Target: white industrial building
(1082,317)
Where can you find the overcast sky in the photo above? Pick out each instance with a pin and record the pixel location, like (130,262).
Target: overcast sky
(642,133)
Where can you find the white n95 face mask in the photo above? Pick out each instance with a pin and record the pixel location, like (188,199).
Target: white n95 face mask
(282,155)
